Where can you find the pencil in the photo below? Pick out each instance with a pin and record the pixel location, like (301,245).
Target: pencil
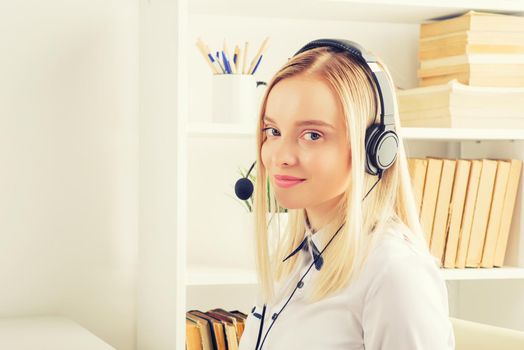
(207,56)
(246,46)
(235,57)
(257,57)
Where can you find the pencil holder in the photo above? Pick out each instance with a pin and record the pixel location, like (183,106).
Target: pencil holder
(236,98)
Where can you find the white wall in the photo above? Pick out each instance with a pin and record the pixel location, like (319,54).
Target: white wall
(69,160)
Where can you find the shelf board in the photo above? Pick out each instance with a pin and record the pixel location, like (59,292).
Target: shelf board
(203,276)
(443,134)
(398,11)
(462,134)
(220,130)
(506,272)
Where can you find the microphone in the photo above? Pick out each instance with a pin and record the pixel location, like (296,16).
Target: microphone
(244,186)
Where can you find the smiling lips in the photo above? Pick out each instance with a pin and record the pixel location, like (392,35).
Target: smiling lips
(285,181)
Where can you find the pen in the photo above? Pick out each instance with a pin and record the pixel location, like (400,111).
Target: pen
(232,68)
(259,54)
(226,63)
(255,69)
(220,64)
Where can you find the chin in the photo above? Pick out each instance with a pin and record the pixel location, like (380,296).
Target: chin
(288,202)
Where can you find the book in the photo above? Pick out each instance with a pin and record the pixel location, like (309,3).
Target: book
(230,329)
(470,43)
(495,214)
(429,200)
(449,63)
(438,235)
(237,320)
(481,214)
(217,330)
(456,209)
(472,21)
(484,79)
(204,329)
(467,216)
(193,340)
(507,211)
(417,170)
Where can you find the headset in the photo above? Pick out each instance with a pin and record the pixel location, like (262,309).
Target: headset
(381,142)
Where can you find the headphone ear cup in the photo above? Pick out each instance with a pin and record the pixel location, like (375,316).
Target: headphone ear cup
(371,164)
(386,149)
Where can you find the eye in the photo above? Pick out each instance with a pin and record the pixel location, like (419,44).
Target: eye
(271,134)
(314,135)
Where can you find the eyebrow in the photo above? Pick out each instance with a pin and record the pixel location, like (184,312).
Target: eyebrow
(305,122)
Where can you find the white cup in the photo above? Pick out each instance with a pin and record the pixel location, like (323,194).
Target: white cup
(236,98)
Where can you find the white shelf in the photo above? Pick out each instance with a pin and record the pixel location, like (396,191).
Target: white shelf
(444,134)
(483,273)
(220,130)
(461,134)
(406,11)
(202,276)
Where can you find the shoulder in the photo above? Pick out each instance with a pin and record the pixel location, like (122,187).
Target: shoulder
(406,300)
(397,265)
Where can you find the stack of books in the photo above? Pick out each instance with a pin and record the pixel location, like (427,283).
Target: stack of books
(476,48)
(455,105)
(471,74)
(466,207)
(216,329)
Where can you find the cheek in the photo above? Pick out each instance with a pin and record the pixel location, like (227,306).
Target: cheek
(265,155)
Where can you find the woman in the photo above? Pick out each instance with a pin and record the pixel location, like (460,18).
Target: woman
(376,286)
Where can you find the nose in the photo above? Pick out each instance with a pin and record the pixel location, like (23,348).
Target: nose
(285,152)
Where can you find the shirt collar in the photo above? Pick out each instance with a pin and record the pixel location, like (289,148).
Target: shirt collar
(311,245)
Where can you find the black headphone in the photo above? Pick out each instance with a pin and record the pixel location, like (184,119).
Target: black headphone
(381,141)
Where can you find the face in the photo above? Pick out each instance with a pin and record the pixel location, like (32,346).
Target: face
(305,137)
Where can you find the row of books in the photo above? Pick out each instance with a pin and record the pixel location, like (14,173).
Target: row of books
(466,207)
(216,329)
(476,48)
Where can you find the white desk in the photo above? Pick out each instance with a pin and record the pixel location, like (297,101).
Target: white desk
(47,333)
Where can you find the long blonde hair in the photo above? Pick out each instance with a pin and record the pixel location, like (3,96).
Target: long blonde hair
(391,201)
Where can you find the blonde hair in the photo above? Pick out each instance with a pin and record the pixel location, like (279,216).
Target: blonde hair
(390,202)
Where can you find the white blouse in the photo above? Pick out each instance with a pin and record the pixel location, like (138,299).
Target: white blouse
(399,301)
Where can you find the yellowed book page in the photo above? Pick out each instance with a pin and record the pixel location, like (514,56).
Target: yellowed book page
(444,79)
(417,170)
(467,216)
(429,200)
(438,235)
(495,214)
(473,21)
(507,211)
(451,25)
(193,340)
(458,198)
(421,166)
(470,49)
(481,215)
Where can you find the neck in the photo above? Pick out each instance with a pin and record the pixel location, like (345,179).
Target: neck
(322,214)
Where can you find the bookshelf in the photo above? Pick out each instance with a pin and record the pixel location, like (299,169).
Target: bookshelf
(202,257)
